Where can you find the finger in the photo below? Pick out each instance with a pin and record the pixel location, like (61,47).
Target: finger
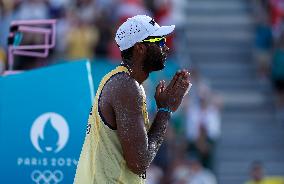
(182,87)
(184,92)
(159,88)
(183,75)
(163,87)
(178,82)
(184,83)
(173,81)
(188,88)
(187,75)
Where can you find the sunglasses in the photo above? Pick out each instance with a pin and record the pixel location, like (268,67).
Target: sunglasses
(160,41)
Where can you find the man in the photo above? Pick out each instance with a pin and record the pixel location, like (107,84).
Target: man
(120,142)
(258,176)
(189,170)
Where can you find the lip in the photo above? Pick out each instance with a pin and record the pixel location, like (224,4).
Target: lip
(165,56)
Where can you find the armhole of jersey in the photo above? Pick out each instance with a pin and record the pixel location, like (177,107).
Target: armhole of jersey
(99,109)
(102,117)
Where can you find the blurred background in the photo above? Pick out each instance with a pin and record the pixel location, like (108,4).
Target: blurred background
(230,128)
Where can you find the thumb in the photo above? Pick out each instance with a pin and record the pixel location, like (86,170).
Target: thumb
(159,89)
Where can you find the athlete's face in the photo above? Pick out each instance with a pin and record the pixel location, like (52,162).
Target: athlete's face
(155,57)
(257,173)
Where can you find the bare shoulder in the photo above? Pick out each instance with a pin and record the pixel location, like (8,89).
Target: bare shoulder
(122,86)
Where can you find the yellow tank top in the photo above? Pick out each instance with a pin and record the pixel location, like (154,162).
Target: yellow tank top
(101,160)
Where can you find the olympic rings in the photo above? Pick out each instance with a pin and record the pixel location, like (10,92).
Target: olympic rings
(47,176)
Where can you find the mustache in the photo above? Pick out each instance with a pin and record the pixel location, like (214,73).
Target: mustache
(165,55)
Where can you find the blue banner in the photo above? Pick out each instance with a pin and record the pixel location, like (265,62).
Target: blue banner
(43,115)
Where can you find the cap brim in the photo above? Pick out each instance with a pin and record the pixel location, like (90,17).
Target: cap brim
(164,30)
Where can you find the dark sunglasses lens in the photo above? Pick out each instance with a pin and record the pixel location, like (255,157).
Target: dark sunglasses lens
(162,43)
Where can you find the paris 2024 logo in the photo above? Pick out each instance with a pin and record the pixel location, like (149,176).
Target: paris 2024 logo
(49,133)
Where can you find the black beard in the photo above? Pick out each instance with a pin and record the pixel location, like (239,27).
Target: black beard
(154,59)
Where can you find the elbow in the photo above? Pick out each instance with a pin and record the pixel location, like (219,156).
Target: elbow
(137,168)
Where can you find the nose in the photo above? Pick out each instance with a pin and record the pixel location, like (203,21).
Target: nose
(166,49)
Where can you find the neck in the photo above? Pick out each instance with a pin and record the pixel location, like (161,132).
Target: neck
(136,72)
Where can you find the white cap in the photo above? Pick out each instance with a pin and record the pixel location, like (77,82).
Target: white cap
(138,28)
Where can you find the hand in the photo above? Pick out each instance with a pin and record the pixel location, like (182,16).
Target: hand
(172,95)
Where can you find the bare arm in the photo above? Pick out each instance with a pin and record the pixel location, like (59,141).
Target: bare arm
(139,148)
